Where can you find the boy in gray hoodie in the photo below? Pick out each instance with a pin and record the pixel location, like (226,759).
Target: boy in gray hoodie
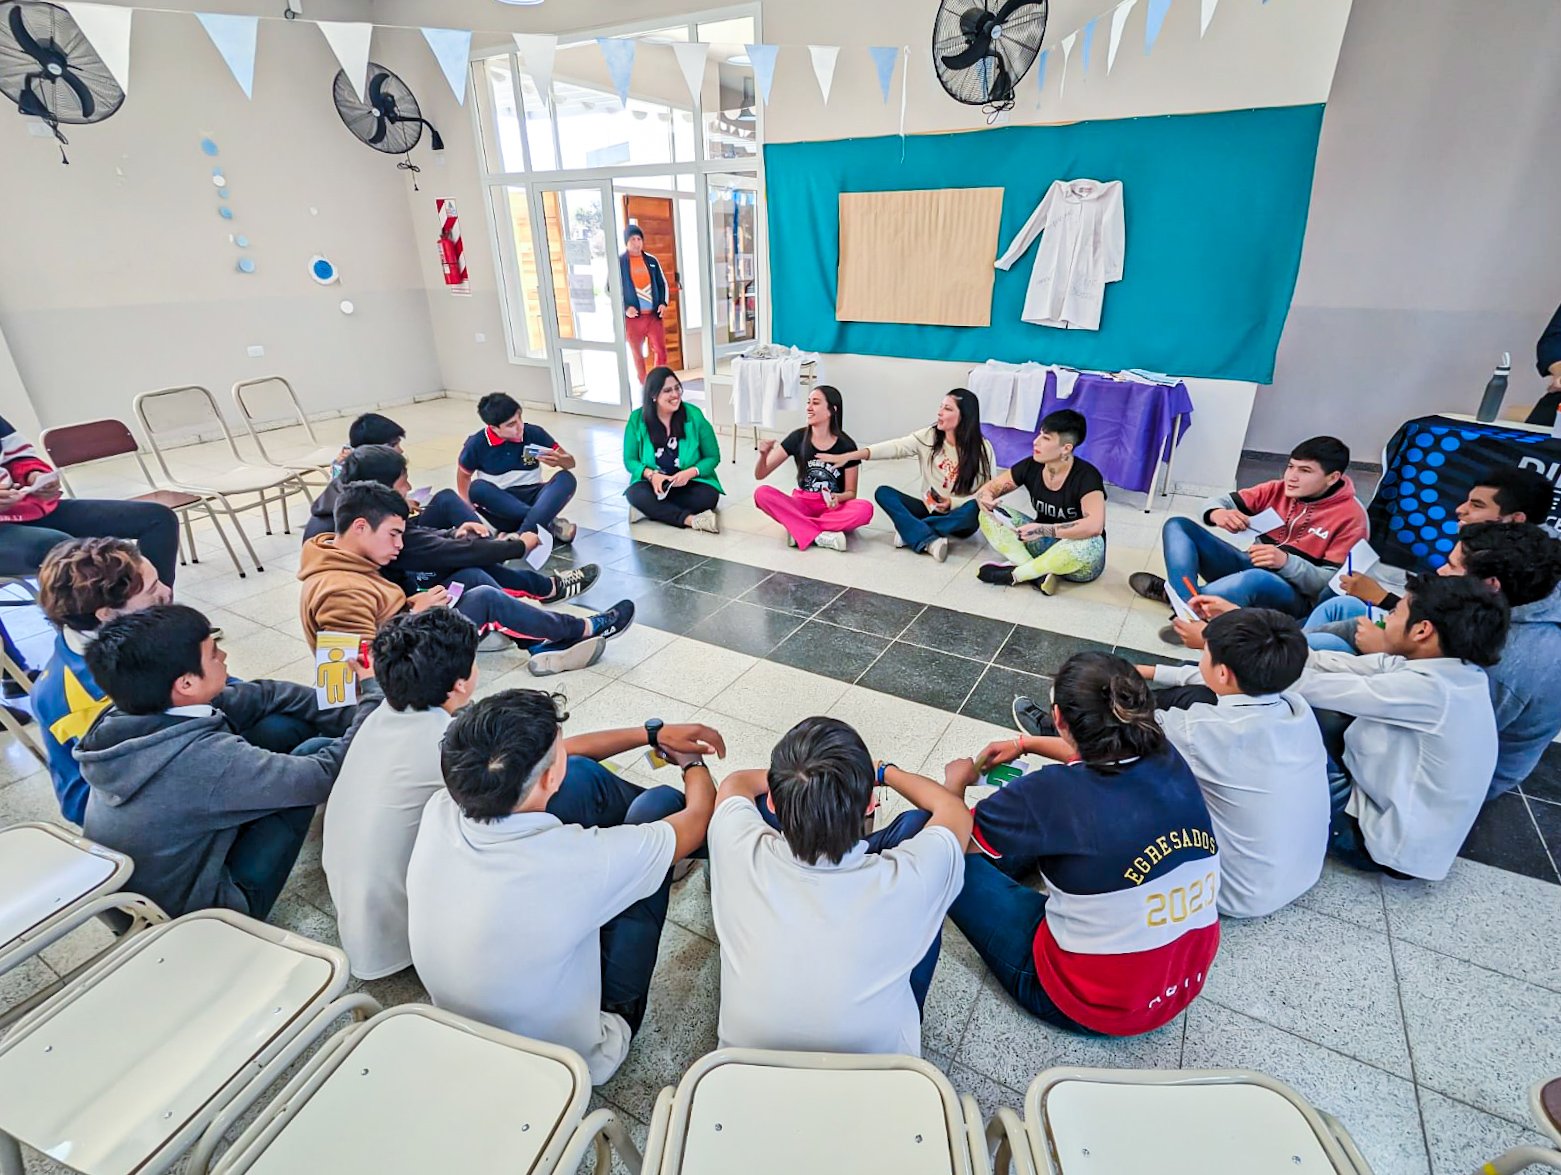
(208,819)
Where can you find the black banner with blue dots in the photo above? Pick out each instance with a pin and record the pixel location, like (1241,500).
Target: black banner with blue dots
(1428,469)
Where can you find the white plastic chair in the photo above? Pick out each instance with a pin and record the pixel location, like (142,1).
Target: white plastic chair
(190,411)
(1545,1103)
(272,400)
(127,1066)
(51,882)
(1173,1122)
(758,1113)
(417,1089)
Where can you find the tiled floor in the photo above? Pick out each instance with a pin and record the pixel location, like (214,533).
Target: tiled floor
(1418,1014)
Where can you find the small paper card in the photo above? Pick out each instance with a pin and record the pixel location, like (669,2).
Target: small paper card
(1265,521)
(542,550)
(420,495)
(1360,558)
(1180,606)
(335,682)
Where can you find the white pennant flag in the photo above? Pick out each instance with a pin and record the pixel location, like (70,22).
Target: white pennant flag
(693,57)
(1208,14)
(537,51)
(1118,20)
(451,48)
(108,28)
(1067,48)
(234,37)
(824,59)
(349,40)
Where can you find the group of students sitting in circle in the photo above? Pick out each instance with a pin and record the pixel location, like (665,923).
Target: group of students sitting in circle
(478,841)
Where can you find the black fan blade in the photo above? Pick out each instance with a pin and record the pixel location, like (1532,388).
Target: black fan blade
(25,39)
(978,49)
(380,132)
(89,104)
(1012,7)
(376,92)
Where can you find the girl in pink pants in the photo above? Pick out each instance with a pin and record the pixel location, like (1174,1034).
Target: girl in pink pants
(824,505)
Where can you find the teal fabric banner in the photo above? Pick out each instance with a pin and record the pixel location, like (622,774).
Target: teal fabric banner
(1215,209)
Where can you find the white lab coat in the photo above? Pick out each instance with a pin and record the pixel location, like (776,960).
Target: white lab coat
(1083,241)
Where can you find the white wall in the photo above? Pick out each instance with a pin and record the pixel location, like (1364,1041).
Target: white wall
(117,274)
(1434,242)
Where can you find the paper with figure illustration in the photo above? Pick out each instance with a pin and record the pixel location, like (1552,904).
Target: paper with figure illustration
(335,678)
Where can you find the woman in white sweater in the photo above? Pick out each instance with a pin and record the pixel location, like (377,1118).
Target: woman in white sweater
(955,461)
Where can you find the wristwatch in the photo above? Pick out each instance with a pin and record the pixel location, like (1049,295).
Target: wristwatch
(685,768)
(653,733)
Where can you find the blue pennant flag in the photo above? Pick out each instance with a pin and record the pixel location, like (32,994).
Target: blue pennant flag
(234,37)
(1089,43)
(884,57)
(619,54)
(1152,23)
(763,58)
(1040,77)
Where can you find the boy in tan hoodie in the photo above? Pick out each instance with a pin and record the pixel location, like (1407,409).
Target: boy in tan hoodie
(344,592)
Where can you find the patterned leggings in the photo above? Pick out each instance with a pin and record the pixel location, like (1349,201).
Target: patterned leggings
(1078,560)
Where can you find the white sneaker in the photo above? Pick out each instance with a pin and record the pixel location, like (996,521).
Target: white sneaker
(494,642)
(586,653)
(634,516)
(831,540)
(791,540)
(898,541)
(707,522)
(938,548)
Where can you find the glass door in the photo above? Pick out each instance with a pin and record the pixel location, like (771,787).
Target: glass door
(585,315)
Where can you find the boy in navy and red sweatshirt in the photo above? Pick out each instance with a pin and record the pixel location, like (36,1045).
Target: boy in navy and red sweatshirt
(1286,566)
(499,472)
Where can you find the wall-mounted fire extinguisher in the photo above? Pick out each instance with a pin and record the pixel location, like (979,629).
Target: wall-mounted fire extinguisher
(452,258)
(449,257)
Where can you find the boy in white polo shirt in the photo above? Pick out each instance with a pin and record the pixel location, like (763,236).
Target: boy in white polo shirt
(426,662)
(829,941)
(538,885)
(1258,757)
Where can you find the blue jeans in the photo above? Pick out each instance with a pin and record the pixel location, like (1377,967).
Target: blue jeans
(1000,917)
(1331,625)
(896,832)
(523,508)
(530,626)
(262,855)
(445,511)
(503,577)
(594,797)
(918,526)
(1192,552)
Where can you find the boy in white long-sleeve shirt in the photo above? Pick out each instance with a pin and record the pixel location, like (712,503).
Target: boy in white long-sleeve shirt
(1410,772)
(1258,756)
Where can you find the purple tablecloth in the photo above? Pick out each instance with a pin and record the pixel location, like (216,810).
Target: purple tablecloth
(1131,427)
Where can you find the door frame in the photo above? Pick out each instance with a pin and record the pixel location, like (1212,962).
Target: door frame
(619,347)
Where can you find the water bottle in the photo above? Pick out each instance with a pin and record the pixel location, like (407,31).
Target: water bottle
(1496,390)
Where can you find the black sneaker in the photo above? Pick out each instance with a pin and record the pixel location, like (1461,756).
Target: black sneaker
(14,690)
(1170,636)
(1034,721)
(1001,574)
(614,620)
(569,584)
(563,531)
(23,716)
(1148,585)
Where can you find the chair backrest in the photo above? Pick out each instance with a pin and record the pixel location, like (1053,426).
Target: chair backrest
(45,870)
(180,415)
(77,444)
(267,401)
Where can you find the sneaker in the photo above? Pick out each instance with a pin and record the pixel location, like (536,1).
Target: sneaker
(791,540)
(898,541)
(1001,574)
(14,690)
(495,642)
(563,531)
(1032,719)
(938,548)
(634,516)
(546,661)
(614,620)
(1046,585)
(22,715)
(1148,585)
(831,540)
(706,522)
(569,584)
(1170,636)
(682,869)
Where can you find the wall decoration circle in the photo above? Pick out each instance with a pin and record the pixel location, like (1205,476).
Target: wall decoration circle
(347,307)
(246,265)
(209,145)
(225,212)
(323,270)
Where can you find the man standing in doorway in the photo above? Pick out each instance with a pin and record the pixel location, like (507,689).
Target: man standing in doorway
(644,301)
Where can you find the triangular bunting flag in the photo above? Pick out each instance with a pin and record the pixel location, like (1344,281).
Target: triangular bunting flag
(1206,15)
(451,48)
(537,51)
(619,55)
(234,37)
(824,58)
(1067,51)
(692,57)
(108,28)
(1089,43)
(763,58)
(1152,23)
(1040,77)
(1119,17)
(885,57)
(349,40)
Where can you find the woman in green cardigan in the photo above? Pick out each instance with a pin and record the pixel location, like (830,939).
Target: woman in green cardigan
(671,453)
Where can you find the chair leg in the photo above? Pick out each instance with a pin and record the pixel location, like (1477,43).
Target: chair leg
(223,535)
(1518,1159)
(19,732)
(10,1156)
(265,511)
(189,536)
(15,672)
(227,506)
